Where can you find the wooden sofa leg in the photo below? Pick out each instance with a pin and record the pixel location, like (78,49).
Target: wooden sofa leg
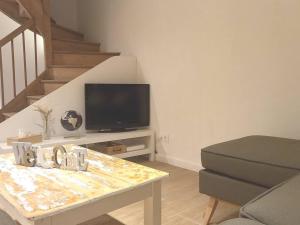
(209,211)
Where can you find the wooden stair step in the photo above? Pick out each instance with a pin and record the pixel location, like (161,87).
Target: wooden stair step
(60,32)
(67,72)
(32,99)
(55,81)
(80,52)
(74,45)
(36,97)
(75,41)
(51,85)
(69,66)
(8,114)
(81,58)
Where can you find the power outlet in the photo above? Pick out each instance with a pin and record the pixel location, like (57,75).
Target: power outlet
(164,139)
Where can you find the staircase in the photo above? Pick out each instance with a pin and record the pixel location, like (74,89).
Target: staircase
(14,10)
(69,57)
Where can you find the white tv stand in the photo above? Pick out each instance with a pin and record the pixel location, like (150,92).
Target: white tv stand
(91,138)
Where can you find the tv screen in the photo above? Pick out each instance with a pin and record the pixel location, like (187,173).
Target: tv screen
(113,107)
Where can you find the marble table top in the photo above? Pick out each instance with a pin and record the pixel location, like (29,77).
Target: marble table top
(36,192)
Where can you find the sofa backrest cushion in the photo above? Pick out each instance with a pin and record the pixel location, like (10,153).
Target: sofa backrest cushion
(277,206)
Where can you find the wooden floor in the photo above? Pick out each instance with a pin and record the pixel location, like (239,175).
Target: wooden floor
(182,204)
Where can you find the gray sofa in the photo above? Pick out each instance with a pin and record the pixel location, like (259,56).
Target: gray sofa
(238,171)
(277,206)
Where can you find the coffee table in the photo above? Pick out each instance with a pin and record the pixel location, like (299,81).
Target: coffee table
(37,196)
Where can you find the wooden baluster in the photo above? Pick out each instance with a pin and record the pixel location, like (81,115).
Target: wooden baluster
(13,66)
(24,59)
(35,55)
(1,78)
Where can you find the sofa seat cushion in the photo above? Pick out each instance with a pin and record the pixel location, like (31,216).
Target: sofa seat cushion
(228,189)
(262,160)
(277,206)
(240,222)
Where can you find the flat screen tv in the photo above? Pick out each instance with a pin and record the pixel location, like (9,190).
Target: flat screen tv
(116,107)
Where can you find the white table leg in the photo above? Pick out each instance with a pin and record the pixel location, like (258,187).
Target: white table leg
(152,157)
(46,221)
(152,206)
(151,146)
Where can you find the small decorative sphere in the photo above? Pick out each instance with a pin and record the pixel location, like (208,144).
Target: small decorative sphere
(71,120)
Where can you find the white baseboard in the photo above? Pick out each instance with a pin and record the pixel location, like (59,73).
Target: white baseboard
(179,162)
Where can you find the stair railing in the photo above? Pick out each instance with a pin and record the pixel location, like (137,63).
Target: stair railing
(38,12)
(9,41)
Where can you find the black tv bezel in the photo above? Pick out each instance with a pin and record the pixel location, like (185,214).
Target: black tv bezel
(115,127)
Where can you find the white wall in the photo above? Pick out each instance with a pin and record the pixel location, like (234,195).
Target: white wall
(7,26)
(70,97)
(218,69)
(64,12)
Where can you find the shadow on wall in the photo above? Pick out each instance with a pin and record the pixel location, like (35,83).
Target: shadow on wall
(154,124)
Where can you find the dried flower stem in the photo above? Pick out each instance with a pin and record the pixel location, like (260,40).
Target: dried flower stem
(45,114)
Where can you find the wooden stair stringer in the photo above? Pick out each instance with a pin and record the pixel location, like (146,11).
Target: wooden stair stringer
(31,99)
(8,115)
(20,101)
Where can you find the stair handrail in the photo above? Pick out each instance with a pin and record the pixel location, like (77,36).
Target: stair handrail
(39,22)
(8,38)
